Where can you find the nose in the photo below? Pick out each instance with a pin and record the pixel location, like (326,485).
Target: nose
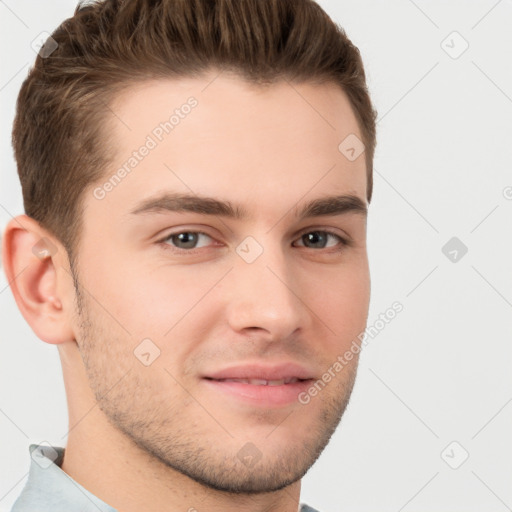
(266,297)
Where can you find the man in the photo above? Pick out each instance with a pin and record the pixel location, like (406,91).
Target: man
(196,177)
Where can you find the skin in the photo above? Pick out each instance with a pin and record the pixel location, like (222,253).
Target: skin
(157,437)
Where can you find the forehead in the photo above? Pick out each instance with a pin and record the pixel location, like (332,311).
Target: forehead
(221,137)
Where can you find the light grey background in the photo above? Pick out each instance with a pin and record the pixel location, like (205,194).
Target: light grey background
(440,371)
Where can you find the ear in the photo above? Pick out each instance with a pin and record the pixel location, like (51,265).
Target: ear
(35,264)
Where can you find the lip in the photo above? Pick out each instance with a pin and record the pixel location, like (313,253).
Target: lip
(260,394)
(264,372)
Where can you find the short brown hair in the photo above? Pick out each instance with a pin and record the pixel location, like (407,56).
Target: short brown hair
(59,140)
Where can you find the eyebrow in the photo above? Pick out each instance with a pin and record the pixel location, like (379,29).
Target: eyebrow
(174,202)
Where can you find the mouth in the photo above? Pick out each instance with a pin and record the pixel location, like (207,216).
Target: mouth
(258,386)
(263,382)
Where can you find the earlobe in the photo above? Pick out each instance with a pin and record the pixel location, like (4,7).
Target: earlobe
(32,259)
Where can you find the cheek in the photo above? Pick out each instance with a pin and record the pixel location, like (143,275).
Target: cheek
(150,302)
(344,302)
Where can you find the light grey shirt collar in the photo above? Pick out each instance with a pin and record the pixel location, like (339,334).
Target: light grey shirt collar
(48,488)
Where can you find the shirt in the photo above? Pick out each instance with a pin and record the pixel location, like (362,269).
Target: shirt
(49,489)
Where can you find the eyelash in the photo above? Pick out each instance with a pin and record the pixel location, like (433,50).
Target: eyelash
(163,242)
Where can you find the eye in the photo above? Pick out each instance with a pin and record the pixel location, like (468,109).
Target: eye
(187,241)
(313,239)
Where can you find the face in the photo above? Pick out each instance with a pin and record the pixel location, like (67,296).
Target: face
(194,314)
